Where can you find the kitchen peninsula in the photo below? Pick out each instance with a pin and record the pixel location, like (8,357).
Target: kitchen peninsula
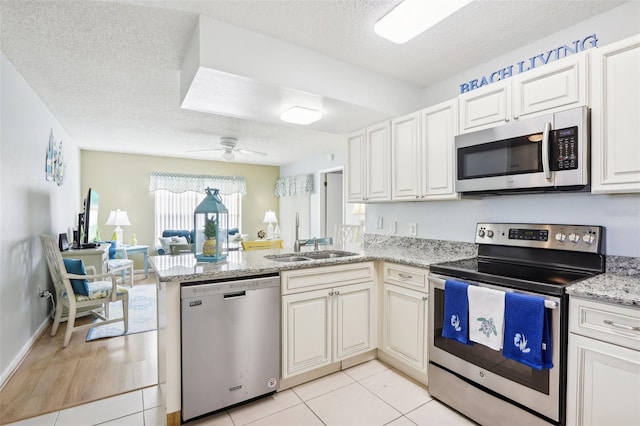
(172,271)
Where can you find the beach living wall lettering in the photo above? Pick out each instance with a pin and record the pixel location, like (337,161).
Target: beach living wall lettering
(534,61)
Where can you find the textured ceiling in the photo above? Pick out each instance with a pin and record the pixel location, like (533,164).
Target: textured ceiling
(110,71)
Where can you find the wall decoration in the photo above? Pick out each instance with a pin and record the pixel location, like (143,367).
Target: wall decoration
(54,163)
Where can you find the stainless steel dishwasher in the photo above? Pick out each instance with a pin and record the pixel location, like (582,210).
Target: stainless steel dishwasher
(230,342)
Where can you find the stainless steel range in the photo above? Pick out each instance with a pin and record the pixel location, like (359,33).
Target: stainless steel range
(527,259)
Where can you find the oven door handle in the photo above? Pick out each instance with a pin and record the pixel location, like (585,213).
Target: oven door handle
(545,151)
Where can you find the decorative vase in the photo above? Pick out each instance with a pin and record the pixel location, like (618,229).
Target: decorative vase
(209,247)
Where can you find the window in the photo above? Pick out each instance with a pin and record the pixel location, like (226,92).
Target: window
(175,210)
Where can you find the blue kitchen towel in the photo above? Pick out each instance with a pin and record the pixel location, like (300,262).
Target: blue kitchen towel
(526,331)
(456,311)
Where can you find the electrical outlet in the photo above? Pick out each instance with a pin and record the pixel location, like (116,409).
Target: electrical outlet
(394,227)
(413,229)
(379,222)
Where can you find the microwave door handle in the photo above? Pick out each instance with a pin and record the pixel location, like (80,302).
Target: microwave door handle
(545,151)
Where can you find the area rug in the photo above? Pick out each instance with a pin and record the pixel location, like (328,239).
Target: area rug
(142,314)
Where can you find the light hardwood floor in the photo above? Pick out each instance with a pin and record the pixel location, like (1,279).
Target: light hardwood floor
(52,378)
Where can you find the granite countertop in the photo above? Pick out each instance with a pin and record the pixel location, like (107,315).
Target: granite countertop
(619,285)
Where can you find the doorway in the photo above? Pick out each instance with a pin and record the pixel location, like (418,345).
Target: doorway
(332,205)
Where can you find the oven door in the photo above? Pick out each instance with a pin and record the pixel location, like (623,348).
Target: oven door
(525,155)
(539,391)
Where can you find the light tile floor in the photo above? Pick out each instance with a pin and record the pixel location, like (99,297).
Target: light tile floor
(368,394)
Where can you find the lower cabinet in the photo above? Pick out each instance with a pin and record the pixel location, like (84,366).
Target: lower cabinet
(603,379)
(404,319)
(327,325)
(405,331)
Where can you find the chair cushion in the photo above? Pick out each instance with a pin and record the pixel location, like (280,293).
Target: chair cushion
(99,290)
(119,263)
(76,266)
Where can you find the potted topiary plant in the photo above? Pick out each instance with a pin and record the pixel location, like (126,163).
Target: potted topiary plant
(210,231)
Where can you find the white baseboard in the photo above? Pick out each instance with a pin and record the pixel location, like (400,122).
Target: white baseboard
(20,356)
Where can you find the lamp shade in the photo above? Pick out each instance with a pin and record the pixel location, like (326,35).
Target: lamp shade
(118,218)
(270,217)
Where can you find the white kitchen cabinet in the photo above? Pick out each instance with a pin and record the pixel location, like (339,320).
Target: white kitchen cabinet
(603,378)
(553,87)
(330,324)
(369,164)
(615,110)
(423,154)
(404,319)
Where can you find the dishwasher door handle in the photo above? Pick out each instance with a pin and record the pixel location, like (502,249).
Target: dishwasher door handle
(236,295)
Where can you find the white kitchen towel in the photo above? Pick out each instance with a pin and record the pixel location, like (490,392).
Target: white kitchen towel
(486,316)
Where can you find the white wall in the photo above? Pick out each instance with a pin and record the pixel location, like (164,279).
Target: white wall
(30,206)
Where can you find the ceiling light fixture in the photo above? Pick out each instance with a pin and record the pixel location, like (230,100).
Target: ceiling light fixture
(300,115)
(412,17)
(228,155)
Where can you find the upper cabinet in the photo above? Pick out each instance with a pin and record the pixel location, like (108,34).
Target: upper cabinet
(369,164)
(615,112)
(556,86)
(423,153)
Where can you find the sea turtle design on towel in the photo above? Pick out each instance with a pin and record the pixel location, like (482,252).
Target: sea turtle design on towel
(487,327)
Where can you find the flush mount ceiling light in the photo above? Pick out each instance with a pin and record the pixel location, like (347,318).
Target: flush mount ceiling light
(227,155)
(412,17)
(300,115)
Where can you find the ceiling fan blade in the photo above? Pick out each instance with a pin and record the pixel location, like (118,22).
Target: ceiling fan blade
(245,151)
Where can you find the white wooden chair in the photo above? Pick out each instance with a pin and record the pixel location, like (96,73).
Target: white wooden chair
(122,265)
(347,234)
(102,290)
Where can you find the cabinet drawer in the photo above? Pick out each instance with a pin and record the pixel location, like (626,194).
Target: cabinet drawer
(609,323)
(406,276)
(326,277)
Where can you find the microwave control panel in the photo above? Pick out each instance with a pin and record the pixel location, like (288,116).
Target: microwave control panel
(564,155)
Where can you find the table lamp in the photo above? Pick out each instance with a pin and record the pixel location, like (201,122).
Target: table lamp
(118,218)
(270,218)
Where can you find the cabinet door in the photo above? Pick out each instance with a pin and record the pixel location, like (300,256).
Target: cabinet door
(404,317)
(355,170)
(614,117)
(487,107)
(438,126)
(378,164)
(603,383)
(355,319)
(405,157)
(306,337)
(556,86)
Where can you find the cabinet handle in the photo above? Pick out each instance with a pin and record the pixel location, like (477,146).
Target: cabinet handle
(330,293)
(622,326)
(425,298)
(506,119)
(515,117)
(337,293)
(405,276)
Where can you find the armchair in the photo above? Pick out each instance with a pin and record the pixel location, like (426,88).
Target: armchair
(102,289)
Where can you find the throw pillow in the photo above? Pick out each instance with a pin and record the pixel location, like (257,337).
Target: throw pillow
(179,240)
(165,242)
(76,266)
(112,250)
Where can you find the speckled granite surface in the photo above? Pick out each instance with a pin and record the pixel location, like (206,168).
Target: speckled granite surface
(620,284)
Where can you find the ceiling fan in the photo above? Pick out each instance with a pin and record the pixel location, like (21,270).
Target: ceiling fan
(229,148)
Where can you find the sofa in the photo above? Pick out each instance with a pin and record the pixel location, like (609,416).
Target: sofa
(179,241)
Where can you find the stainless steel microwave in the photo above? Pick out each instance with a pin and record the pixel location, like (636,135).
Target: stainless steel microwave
(545,153)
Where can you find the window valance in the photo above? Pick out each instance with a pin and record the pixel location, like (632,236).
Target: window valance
(180,182)
(294,185)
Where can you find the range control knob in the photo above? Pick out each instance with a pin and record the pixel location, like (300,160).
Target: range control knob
(574,238)
(589,238)
(490,233)
(561,236)
(481,233)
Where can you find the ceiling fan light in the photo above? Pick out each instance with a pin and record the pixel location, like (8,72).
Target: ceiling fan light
(228,156)
(412,17)
(300,115)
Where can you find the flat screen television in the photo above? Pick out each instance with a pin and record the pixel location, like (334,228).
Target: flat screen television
(88,219)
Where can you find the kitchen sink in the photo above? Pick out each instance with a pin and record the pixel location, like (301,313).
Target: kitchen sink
(309,255)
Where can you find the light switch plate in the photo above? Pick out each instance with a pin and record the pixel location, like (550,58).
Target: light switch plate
(394,227)
(379,222)
(413,229)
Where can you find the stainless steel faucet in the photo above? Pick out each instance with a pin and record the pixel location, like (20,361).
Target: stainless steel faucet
(297,242)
